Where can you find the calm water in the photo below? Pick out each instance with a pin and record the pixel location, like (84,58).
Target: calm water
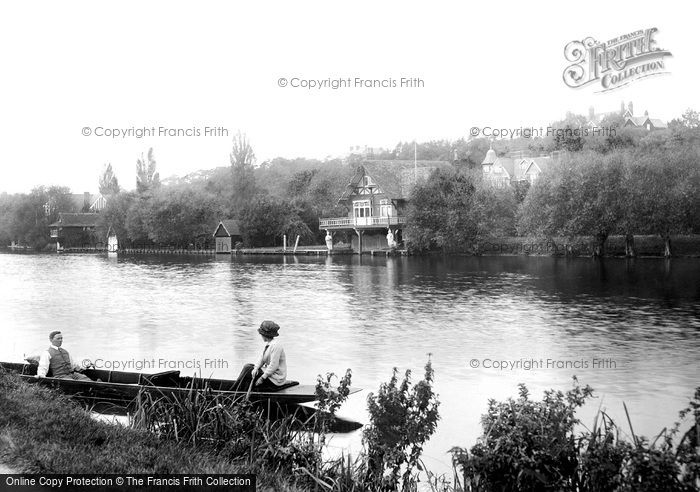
(641,318)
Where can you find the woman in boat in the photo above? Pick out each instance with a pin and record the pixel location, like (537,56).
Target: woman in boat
(270,371)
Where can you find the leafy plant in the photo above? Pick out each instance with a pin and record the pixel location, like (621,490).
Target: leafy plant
(527,445)
(402,418)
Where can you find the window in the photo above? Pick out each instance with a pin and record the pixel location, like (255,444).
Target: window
(362,208)
(385,208)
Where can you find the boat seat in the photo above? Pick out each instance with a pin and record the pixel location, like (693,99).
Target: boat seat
(288,384)
(165,378)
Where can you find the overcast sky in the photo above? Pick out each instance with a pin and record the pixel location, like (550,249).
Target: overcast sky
(68,66)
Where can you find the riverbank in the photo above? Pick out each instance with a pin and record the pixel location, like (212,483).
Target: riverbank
(649,246)
(44,431)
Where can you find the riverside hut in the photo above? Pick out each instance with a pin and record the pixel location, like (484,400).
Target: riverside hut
(226,235)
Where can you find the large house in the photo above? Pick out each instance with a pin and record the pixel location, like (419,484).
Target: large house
(628,118)
(376,199)
(515,167)
(645,122)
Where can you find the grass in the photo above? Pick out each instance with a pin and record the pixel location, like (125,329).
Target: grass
(43,431)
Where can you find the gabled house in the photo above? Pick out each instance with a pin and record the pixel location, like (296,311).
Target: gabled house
(376,199)
(516,167)
(226,235)
(81,202)
(628,118)
(645,122)
(74,229)
(533,167)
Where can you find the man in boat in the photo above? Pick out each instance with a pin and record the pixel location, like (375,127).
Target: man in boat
(270,372)
(59,361)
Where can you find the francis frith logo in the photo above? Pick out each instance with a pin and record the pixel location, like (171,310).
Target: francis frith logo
(615,63)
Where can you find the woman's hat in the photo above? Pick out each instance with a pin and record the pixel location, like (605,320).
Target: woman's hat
(269,329)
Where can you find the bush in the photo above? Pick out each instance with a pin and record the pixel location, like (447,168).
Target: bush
(402,418)
(530,445)
(527,445)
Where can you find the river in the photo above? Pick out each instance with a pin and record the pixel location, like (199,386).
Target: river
(629,329)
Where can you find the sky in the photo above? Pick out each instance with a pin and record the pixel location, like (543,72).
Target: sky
(84,67)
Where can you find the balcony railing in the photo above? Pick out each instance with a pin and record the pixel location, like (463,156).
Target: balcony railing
(339,222)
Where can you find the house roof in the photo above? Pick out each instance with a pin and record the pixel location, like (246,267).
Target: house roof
(76,220)
(642,121)
(395,178)
(508,164)
(635,120)
(543,163)
(231,227)
(80,200)
(490,157)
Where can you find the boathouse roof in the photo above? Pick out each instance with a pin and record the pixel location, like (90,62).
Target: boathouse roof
(395,178)
(76,220)
(227,227)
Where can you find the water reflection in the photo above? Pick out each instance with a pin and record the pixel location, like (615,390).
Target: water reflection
(375,313)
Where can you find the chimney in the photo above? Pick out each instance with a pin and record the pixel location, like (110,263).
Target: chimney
(631,108)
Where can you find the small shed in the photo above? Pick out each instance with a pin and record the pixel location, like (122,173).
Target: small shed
(226,235)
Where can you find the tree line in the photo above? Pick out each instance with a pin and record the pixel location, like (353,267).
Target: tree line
(630,182)
(649,186)
(278,197)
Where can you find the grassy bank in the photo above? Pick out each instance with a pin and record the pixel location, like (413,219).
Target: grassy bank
(526,445)
(43,431)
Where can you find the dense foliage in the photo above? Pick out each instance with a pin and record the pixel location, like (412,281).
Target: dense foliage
(532,446)
(650,188)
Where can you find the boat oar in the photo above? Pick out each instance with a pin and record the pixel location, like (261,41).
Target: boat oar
(250,387)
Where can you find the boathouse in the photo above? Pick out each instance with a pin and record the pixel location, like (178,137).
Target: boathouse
(226,235)
(376,198)
(74,230)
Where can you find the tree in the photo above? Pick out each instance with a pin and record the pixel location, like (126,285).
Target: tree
(115,215)
(584,195)
(568,133)
(147,178)
(265,219)
(300,182)
(666,193)
(262,221)
(177,216)
(242,161)
(495,210)
(689,119)
(31,221)
(109,185)
(58,199)
(441,212)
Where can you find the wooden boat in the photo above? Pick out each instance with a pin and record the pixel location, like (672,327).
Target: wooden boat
(119,390)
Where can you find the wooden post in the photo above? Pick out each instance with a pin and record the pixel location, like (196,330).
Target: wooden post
(284,243)
(296,243)
(359,240)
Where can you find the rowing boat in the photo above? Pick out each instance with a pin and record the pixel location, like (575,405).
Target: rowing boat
(120,389)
